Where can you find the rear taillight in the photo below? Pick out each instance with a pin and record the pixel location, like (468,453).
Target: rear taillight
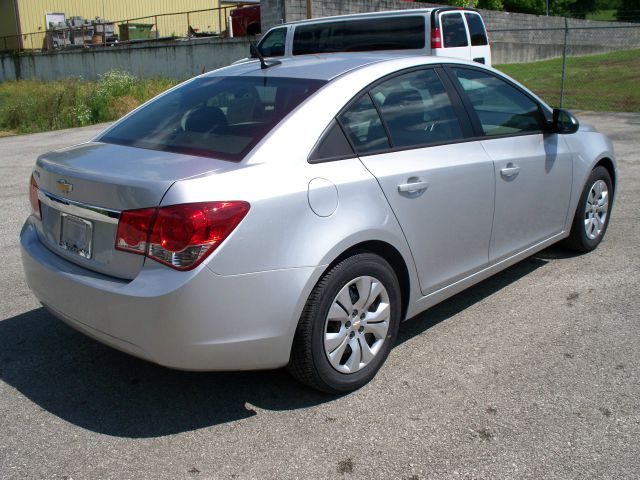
(33,198)
(133,230)
(180,236)
(436,40)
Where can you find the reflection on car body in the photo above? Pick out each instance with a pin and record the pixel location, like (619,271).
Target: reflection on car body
(296,214)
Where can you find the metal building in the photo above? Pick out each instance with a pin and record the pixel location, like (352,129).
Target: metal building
(18,18)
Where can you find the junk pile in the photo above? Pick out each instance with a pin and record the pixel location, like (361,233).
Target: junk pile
(78,32)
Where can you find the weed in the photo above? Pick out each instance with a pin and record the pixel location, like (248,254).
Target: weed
(28,106)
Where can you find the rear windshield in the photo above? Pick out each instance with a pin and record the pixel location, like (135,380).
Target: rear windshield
(391,33)
(220,117)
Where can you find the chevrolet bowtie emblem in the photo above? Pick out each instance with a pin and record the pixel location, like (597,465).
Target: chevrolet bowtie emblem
(64,186)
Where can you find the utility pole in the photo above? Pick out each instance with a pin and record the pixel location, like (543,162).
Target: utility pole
(310,8)
(547,8)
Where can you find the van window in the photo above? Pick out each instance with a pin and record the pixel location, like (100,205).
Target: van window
(390,33)
(417,110)
(476,29)
(272,45)
(453,30)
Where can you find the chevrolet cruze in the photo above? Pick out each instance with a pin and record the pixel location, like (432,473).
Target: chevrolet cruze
(294,212)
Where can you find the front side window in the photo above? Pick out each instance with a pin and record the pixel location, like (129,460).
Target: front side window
(272,45)
(362,125)
(476,30)
(219,117)
(501,108)
(417,110)
(390,33)
(453,31)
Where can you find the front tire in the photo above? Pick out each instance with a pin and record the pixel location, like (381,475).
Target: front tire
(348,326)
(591,219)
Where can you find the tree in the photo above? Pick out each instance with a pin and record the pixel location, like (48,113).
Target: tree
(629,11)
(491,4)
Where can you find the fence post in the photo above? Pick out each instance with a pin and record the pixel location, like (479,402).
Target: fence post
(564,60)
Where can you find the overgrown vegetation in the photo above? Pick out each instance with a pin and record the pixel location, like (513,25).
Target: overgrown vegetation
(28,106)
(607,82)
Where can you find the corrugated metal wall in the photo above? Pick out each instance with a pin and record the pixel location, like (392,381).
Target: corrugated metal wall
(8,24)
(32,14)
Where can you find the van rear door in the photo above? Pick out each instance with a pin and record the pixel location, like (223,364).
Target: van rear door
(480,50)
(454,37)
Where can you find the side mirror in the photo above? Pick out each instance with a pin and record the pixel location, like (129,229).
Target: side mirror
(563,122)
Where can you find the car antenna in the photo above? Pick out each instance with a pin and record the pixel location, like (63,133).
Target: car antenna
(263,63)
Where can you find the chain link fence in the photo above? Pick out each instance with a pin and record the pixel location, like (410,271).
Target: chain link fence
(581,68)
(212,22)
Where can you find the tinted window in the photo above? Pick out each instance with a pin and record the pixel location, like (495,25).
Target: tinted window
(476,29)
(333,145)
(391,33)
(272,45)
(501,108)
(221,117)
(417,109)
(363,126)
(453,30)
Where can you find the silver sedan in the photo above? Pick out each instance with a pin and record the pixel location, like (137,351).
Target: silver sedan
(295,212)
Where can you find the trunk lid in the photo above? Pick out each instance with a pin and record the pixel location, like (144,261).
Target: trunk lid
(84,188)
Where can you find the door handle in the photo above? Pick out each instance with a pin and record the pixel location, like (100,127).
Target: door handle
(413,186)
(510,170)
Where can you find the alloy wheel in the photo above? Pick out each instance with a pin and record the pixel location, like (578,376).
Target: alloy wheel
(357,324)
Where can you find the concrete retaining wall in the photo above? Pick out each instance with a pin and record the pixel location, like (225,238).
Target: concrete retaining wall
(179,60)
(515,38)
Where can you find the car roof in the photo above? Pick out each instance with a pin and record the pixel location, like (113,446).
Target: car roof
(325,66)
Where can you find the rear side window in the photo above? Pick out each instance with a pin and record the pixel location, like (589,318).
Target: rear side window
(272,45)
(476,30)
(454,32)
(416,110)
(391,33)
(501,108)
(219,117)
(333,145)
(362,125)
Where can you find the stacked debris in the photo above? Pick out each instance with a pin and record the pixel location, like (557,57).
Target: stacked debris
(79,32)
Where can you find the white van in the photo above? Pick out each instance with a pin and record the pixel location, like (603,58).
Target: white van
(444,31)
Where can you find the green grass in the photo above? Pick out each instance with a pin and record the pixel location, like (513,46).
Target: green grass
(609,82)
(29,106)
(603,15)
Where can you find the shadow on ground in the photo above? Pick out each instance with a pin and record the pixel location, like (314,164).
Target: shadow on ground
(100,389)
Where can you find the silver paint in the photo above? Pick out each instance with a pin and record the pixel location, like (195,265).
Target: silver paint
(446,234)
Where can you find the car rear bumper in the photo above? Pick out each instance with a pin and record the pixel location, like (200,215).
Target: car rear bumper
(194,320)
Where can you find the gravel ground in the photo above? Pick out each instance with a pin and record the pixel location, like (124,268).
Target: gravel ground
(530,374)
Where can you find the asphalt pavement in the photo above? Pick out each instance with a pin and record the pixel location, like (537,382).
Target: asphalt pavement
(530,374)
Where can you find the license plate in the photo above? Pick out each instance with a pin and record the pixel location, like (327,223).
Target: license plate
(75,235)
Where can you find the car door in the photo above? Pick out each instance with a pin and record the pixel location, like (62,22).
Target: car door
(455,40)
(440,187)
(533,169)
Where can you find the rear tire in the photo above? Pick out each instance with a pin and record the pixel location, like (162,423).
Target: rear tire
(592,215)
(348,326)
